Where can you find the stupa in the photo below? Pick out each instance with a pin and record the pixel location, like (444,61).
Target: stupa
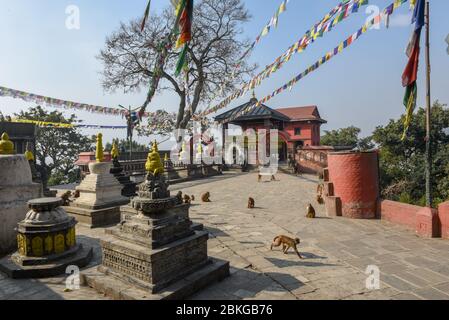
(46,243)
(129,187)
(154,253)
(100,194)
(16,188)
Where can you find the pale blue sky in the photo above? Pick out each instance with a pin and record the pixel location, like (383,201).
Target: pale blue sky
(360,87)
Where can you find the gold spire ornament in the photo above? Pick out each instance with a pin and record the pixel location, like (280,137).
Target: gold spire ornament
(6,145)
(154,164)
(166,158)
(99,155)
(183,153)
(29,154)
(200,149)
(114,152)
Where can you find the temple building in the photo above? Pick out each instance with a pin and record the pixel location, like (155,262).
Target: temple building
(298,126)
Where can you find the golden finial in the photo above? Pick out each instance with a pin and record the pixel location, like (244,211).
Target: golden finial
(155,147)
(114,152)
(99,155)
(200,148)
(6,145)
(154,164)
(29,154)
(166,158)
(183,152)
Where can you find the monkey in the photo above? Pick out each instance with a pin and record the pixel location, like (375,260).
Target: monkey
(77,194)
(206,197)
(187,199)
(179,197)
(192,197)
(319,191)
(273,178)
(259,178)
(319,199)
(287,243)
(251,203)
(66,198)
(310,212)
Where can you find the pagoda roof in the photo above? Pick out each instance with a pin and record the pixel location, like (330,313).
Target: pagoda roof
(255,113)
(262,112)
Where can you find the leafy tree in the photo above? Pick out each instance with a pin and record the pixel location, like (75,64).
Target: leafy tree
(341,137)
(130,55)
(57,149)
(124,146)
(402,163)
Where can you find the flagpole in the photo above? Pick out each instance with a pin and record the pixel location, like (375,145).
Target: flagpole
(428,112)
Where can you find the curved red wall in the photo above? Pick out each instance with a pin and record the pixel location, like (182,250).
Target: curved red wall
(355,176)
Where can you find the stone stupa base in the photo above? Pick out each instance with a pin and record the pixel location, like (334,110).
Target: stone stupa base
(127,211)
(100,198)
(45,267)
(95,218)
(111,285)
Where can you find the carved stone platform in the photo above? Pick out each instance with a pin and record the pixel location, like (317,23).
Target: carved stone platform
(100,198)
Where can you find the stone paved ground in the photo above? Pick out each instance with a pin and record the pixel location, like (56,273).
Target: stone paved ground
(337,251)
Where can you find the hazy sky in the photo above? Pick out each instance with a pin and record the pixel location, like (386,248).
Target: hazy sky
(360,87)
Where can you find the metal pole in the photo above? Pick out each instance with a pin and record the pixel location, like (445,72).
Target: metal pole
(428,112)
(131,135)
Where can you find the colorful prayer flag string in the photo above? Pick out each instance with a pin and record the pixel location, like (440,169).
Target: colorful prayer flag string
(343,45)
(58,103)
(267,28)
(326,24)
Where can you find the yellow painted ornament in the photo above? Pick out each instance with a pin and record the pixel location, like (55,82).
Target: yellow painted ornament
(183,153)
(6,145)
(154,164)
(99,155)
(29,155)
(114,152)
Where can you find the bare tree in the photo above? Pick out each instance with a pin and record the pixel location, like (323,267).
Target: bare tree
(214,66)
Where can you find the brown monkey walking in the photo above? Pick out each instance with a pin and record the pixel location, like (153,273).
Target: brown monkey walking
(286,243)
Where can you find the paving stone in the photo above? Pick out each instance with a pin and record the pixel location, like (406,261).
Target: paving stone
(406,296)
(432,277)
(397,283)
(444,287)
(431,294)
(409,277)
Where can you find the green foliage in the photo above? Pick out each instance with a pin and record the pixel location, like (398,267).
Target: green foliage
(402,163)
(124,146)
(348,137)
(57,149)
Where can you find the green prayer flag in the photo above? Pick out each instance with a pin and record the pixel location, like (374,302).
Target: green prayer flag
(182,60)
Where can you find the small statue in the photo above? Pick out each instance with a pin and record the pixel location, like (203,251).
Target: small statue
(154,164)
(115,154)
